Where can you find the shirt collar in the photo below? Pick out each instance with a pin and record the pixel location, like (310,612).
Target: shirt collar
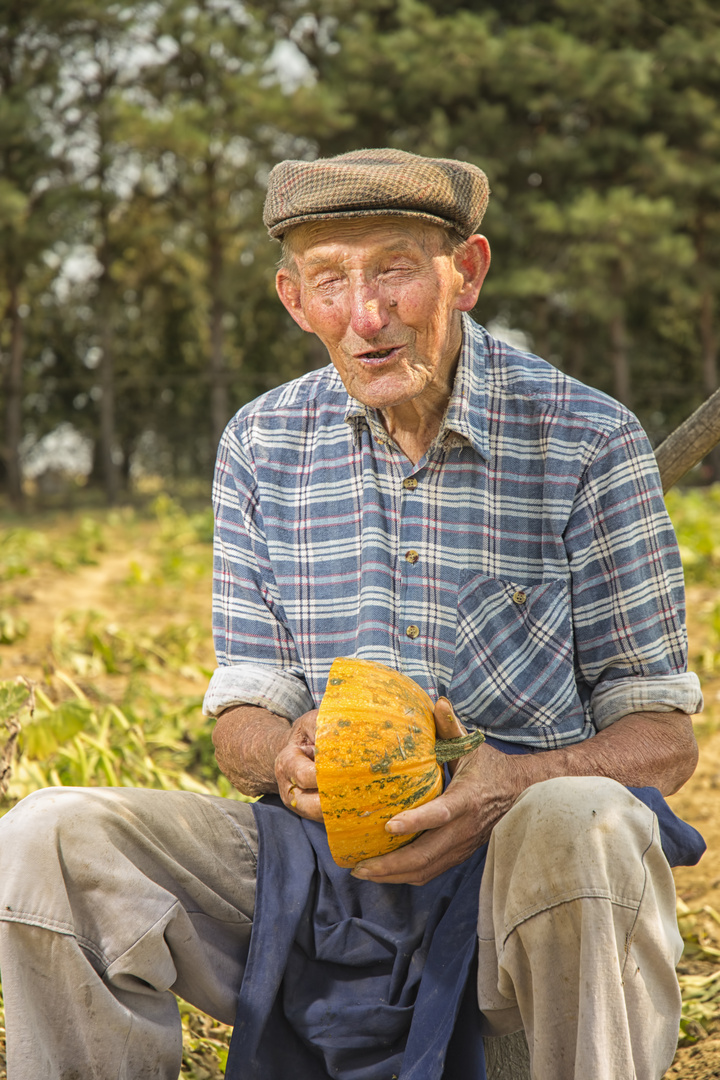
(465,414)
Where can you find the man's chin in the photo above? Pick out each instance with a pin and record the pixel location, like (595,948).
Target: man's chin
(382,400)
(384,389)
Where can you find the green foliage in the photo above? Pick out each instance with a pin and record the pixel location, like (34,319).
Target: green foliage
(86,644)
(100,718)
(695,515)
(12,628)
(700,992)
(206,1044)
(76,741)
(23,549)
(14,697)
(599,128)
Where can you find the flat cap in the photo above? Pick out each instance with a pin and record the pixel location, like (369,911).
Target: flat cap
(367,183)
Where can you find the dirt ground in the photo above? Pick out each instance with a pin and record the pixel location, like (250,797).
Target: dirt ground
(47,596)
(699,804)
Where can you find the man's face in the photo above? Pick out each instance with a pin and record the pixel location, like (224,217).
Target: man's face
(384,297)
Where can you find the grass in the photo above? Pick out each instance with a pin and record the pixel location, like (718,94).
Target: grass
(115,689)
(116,681)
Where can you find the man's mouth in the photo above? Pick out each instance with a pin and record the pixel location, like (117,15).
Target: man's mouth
(378,354)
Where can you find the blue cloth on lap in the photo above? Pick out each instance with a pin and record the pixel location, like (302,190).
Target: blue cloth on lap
(359,981)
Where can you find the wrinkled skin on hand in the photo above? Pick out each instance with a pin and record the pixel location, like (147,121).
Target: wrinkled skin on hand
(295,769)
(484,785)
(453,825)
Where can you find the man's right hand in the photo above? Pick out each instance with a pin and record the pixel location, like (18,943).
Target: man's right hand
(295,769)
(261,753)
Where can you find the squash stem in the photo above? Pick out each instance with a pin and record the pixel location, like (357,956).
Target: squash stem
(449,749)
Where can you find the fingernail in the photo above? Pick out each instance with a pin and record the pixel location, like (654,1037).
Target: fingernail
(359,872)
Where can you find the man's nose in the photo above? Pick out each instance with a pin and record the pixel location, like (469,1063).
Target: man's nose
(369,311)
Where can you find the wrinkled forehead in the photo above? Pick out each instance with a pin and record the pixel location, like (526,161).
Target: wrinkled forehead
(366,233)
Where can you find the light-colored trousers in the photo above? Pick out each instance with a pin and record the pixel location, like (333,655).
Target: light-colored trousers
(112,900)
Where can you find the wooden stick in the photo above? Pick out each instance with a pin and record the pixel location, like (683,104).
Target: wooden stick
(689,443)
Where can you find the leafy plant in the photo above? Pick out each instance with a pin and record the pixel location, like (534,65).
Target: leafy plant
(22,550)
(109,710)
(12,628)
(695,515)
(206,1044)
(89,645)
(700,990)
(76,741)
(15,699)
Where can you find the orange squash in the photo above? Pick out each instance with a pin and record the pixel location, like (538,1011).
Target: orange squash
(375,754)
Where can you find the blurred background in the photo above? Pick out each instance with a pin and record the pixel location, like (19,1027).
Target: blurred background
(138,313)
(136,279)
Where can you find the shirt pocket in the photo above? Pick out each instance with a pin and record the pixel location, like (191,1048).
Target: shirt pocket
(514,660)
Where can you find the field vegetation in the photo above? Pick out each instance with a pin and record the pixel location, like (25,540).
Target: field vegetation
(105,652)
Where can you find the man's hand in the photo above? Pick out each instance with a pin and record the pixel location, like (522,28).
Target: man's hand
(295,769)
(639,750)
(484,786)
(261,753)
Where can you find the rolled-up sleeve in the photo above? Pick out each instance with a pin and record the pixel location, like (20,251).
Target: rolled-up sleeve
(257,658)
(628,592)
(661,693)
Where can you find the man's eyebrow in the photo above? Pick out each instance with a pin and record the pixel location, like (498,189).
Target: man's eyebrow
(319,260)
(402,247)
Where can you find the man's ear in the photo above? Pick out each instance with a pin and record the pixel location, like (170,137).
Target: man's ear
(288,289)
(473,262)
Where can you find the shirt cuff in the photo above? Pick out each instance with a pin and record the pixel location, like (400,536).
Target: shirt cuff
(611,701)
(255,684)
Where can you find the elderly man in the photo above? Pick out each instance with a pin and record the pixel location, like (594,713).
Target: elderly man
(463,512)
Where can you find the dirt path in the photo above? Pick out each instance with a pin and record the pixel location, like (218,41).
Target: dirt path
(111,588)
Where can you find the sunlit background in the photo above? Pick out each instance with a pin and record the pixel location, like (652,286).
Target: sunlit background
(136,290)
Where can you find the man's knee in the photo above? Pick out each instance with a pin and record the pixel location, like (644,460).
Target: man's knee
(40,817)
(45,830)
(569,838)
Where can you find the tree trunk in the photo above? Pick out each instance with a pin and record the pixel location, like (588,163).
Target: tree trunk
(541,330)
(619,358)
(219,407)
(14,400)
(106,373)
(574,361)
(218,375)
(709,349)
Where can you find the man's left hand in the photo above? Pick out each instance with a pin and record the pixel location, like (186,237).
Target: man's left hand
(484,786)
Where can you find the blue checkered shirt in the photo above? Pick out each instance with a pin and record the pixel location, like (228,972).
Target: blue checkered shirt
(525,568)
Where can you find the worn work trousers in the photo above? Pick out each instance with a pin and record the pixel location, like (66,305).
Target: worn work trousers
(113,900)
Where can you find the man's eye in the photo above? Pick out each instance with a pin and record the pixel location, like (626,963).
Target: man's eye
(326,282)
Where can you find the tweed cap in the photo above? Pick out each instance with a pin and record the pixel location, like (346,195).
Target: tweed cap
(367,183)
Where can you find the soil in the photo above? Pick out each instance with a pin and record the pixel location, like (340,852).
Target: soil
(49,595)
(112,587)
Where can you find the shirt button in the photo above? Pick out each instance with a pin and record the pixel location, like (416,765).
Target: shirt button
(410,483)
(411,556)
(413,631)
(519,597)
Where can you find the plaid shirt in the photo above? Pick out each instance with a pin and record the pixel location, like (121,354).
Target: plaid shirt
(525,568)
